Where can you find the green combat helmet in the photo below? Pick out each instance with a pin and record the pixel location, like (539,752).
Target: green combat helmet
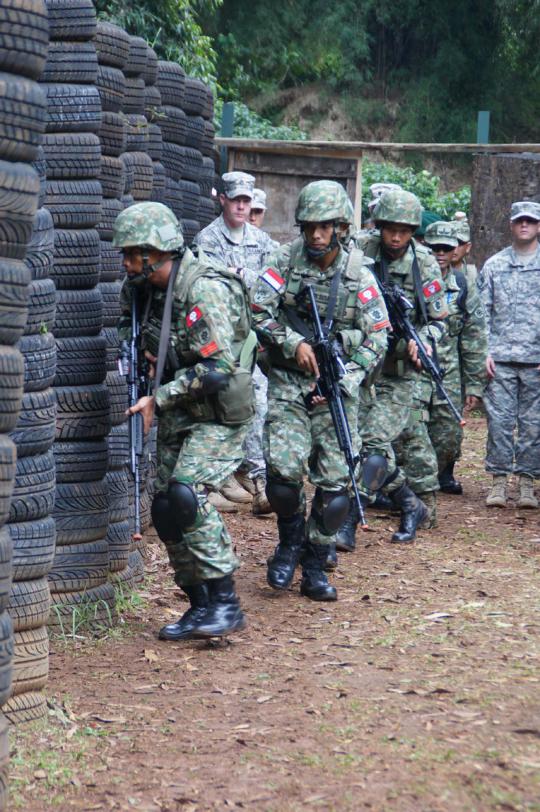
(441,233)
(151,225)
(324,200)
(398,206)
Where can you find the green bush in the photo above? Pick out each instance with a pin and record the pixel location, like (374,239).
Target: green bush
(248,124)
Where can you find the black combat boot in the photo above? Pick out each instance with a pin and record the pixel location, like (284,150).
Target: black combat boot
(183,628)
(346,535)
(314,581)
(223,614)
(282,564)
(448,483)
(331,559)
(382,502)
(413,514)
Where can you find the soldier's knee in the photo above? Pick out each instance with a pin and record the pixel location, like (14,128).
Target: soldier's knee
(330,509)
(374,471)
(183,502)
(163,518)
(284,497)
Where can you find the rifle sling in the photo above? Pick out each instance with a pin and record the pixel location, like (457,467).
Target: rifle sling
(166,326)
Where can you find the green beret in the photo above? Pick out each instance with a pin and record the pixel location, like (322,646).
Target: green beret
(428,217)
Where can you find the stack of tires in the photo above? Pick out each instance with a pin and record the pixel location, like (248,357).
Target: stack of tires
(152,104)
(29,482)
(78,581)
(199,109)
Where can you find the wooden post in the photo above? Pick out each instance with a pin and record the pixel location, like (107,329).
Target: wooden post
(358,194)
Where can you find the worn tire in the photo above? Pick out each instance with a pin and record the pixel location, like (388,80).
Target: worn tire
(118,444)
(81,512)
(36,425)
(83,413)
(206,177)
(110,210)
(174,160)
(72,108)
(134,95)
(118,495)
(159,180)
(72,155)
(76,258)
(71,62)
(22,117)
(207,142)
(191,193)
(206,212)
(82,461)
(137,133)
(12,377)
(41,307)
(19,192)
(39,254)
(155,143)
(173,196)
(119,398)
(78,567)
(152,103)
(24,36)
(14,297)
(195,96)
(171,82)
(74,203)
(81,360)
(119,542)
(97,604)
(111,84)
(33,543)
(39,353)
(6,656)
(189,229)
(29,604)
(172,123)
(110,292)
(111,176)
(71,19)
(194,131)
(110,334)
(139,174)
(112,44)
(25,708)
(30,660)
(111,262)
(8,465)
(6,566)
(151,71)
(137,57)
(78,313)
(192,164)
(113,134)
(33,491)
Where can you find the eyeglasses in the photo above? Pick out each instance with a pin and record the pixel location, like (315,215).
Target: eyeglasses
(442,249)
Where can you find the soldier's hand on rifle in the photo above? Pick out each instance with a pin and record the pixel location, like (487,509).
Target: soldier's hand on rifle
(317,400)
(472,402)
(305,358)
(151,364)
(412,349)
(146,406)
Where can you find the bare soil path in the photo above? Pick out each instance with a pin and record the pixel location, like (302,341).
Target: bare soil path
(418,690)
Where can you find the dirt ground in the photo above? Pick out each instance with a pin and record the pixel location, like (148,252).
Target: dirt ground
(418,690)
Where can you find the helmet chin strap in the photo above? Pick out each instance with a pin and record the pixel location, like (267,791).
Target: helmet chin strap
(317,253)
(150,268)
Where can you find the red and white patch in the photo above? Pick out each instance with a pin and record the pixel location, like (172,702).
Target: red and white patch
(381,325)
(273,279)
(431,289)
(193,317)
(368,295)
(209,349)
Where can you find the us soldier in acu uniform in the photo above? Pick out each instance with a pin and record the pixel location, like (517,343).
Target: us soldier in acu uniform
(196,322)
(299,435)
(412,267)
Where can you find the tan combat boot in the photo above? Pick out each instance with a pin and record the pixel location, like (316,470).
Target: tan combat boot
(429,498)
(245,482)
(497,495)
(261,505)
(220,503)
(233,491)
(527,499)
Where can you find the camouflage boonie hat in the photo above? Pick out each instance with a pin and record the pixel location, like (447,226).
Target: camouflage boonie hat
(148,224)
(238,184)
(398,206)
(525,208)
(441,233)
(259,199)
(462,230)
(324,200)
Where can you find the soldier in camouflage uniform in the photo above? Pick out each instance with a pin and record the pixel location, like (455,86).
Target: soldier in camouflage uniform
(232,241)
(509,286)
(462,232)
(196,319)
(430,447)
(398,260)
(299,436)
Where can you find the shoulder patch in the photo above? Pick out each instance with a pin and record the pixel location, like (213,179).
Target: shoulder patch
(209,349)
(193,317)
(272,278)
(380,325)
(368,294)
(432,288)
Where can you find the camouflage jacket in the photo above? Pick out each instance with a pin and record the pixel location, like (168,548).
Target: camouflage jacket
(210,321)
(510,292)
(470,271)
(360,319)
(400,271)
(250,253)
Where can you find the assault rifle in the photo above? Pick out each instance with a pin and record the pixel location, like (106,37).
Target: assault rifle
(331,371)
(128,365)
(398,307)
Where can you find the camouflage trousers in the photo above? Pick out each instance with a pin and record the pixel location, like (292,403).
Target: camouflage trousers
(512,402)
(202,455)
(253,462)
(299,443)
(415,453)
(445,433)
(383,420)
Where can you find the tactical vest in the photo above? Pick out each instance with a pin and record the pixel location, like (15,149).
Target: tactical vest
(456,302)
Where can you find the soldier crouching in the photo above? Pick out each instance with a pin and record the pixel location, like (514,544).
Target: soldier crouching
(195,328)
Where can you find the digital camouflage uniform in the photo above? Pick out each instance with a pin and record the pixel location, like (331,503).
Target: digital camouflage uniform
(248,253)
(510,292)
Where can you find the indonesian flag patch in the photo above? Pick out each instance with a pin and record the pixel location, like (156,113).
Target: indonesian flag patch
(431,289)
(193,317)
(368,294)
(381,325)
(209,349)
(273,279)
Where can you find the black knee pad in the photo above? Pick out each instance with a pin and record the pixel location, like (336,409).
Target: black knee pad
(184,504)
(330,509)
(163,518)
(283,496)
(374,471)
